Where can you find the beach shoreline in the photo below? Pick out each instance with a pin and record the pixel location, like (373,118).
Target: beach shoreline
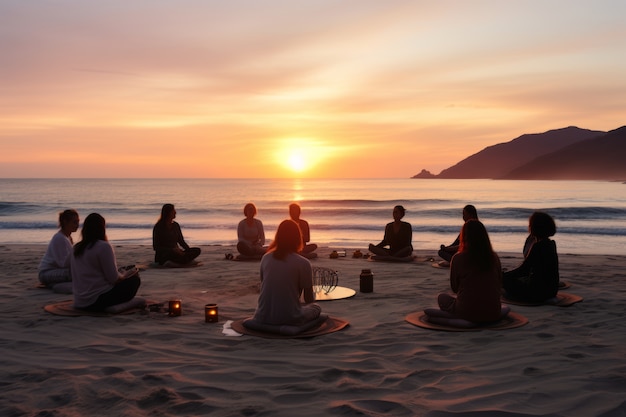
(567,361)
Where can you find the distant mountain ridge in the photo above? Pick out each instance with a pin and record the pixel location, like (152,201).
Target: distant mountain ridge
(561,154)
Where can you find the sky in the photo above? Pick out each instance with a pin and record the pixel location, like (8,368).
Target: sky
(317,88)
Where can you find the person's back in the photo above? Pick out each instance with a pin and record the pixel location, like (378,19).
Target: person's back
(94,272)
(283,280)
(478,291)
(547,267)
(476,278)
(537,279)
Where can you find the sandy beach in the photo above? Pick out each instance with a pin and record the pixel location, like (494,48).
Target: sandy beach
(567,361)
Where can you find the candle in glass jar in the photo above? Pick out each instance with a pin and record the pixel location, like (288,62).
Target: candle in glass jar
(175,308)
(210,313)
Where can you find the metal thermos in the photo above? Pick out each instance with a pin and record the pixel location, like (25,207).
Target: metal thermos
(367,280)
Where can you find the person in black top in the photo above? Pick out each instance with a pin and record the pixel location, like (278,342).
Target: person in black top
(308,248)
(168,242)
(398,237)
(537,278)
(447,252)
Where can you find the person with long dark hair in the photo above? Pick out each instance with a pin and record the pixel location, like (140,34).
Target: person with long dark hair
(168,242)
(286,277)
(97,283)
(55,264)
(537,278)
(475,278)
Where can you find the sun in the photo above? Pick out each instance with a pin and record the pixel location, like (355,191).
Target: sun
(297,156)
(302,156)
(296,161)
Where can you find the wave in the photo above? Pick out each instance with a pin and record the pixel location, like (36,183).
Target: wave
(587,215)
(375,229)
(380,209)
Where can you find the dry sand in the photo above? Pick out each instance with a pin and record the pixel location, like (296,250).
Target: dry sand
(568,361)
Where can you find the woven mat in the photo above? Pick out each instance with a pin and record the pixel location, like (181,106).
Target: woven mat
(562,299)
(331,325)
(511,321)
(66,308)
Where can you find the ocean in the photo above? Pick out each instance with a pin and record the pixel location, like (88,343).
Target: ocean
(343,213)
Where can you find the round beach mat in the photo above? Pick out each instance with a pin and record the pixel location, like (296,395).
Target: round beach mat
(562,299)
(511,321)
(330,325)
(66,308)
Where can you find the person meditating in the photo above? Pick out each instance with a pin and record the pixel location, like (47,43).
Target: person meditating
(476,279)
(97,282)
(168,242)
(398,237)
(250,234)
(54,267)
(537,278)
(308,249)
(286,279)
(447,252)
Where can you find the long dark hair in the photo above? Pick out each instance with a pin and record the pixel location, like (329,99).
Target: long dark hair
(166,210)
(288,240)
(471,211)
(475,242)
(94,229)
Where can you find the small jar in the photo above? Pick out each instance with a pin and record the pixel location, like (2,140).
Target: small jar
(211,313)
(366,281)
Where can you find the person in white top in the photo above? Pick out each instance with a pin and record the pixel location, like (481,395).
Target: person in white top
(250,234)
(54,267)
(97,283)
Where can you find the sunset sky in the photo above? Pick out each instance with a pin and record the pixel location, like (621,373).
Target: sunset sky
(339,89)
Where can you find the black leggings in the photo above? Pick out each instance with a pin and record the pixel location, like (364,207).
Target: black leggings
(162,256)
(124,290)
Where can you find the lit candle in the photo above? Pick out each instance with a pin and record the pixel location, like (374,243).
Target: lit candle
(175,308)
(210,313)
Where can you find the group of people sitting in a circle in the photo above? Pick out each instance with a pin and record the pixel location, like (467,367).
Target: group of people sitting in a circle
(476,276)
